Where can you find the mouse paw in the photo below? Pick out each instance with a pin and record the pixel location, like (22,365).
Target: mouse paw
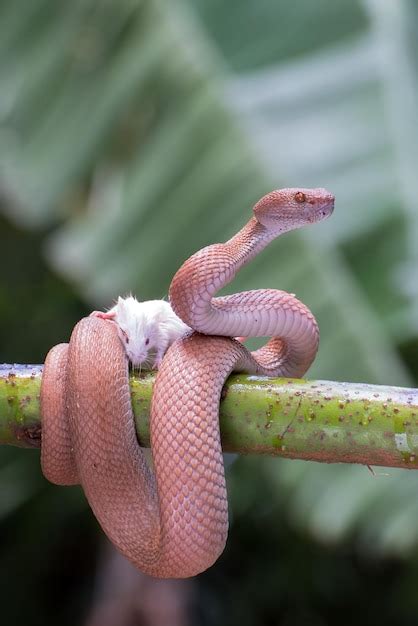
(157,362)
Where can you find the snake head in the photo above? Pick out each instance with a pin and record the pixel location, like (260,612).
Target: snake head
(285,209)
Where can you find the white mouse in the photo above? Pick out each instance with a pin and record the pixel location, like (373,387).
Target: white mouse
(146,329)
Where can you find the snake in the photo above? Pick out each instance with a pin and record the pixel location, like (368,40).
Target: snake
(170,517)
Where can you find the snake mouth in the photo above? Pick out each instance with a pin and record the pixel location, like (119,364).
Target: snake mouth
(326,205)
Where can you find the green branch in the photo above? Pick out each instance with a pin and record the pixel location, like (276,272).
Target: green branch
(317,420)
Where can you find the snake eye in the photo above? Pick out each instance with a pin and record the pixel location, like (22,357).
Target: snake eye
(300,197)
(146,342)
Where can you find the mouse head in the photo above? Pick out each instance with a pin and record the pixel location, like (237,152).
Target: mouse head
(138,329)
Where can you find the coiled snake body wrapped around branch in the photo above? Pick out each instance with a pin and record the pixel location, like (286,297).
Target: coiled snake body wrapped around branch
(172,521)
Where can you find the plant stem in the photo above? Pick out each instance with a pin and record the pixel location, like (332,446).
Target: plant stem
(324,421)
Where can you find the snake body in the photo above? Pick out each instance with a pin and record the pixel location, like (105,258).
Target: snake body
(172,521)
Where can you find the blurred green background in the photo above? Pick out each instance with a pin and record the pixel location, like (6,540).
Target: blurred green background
(132,133)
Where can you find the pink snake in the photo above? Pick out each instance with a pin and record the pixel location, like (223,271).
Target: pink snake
(173,521)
